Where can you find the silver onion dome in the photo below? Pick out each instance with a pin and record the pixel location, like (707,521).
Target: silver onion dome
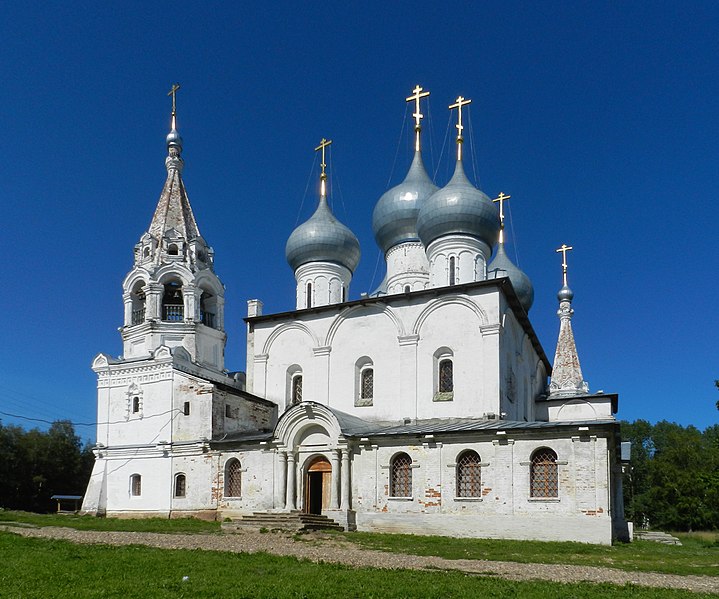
(322,238)
(565,294)
(458,208)
(502,266)
(394,219)
(173,139)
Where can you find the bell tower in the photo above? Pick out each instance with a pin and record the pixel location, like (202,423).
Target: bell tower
(172,295)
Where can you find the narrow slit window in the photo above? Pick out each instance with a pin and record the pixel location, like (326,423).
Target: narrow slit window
(452,274)
(297,388)
(446,376)
(180,485)
(136,485)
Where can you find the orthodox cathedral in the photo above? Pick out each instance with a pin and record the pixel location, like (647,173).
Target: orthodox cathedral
(428,406)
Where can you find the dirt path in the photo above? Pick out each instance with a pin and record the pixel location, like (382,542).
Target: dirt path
(318,547)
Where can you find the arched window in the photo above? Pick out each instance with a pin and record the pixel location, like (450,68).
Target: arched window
(401,476)
(137,296)
(469,475)
(407,289)
(208,309)
(308,299)
(172,249)
(445,376)
(135,404)
(452,273)
(180,485)
(173,308)
(146,252)
(136,485)
(364,381)
(296,388)
(367,383)
(543,479)
(233,478)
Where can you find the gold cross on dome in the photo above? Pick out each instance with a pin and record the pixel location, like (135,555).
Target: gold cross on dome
(501,199)
(417,93)
(173,93)
(418,116)
(564,249)
(323,144)
(458,105)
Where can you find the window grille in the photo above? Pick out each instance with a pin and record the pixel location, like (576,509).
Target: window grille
(367,383)
(308,299)
(173,312)
(452,277)
(469,475)
(297,389)
(180,485)
(138,316)
(208,319)
(233,479)
(543,479)
(136,485)
(446,376)
(401,482)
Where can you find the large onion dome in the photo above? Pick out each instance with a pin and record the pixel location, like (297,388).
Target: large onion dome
(322,238)
(394,219)
(502,266)
(459,208)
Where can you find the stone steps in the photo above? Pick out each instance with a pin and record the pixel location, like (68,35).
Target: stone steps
(656,536)
(288,521)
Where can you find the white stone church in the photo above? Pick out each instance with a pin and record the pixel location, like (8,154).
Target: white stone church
(424,407)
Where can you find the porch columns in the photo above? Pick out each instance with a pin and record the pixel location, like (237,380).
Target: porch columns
(335,483)
(290,501)
(345,479)
(282,479)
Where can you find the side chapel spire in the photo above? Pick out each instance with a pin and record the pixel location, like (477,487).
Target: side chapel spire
(567,379)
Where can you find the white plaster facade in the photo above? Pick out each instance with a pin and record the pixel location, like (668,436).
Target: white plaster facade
(438,388)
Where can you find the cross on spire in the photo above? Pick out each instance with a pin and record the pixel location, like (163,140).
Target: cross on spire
(417,93)
(458,105)
(501,198)
(173,93)
(323,177)
(564,249)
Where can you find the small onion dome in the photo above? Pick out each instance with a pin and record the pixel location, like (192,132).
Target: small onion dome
(458,208)
(173,139)
(502,266)
(322,238)
(565,294)
(394,219)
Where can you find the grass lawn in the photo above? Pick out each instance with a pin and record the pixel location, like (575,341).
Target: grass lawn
(179,525)
(699,553)
(40,568)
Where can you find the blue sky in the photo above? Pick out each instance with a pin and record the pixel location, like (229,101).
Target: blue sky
(600,119)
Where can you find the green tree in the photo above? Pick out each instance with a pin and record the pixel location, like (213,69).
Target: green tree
(34,465)
(673,479)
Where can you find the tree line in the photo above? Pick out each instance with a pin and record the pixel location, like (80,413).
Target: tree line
(672,482)
(35,465)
